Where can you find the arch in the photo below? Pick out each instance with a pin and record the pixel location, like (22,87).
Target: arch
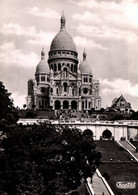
(65,87)
(71,67)
(82,105)
(59,67)
(74,105)
(57,105)
(57,91)
(88,132)
(75,68)
(55,67)
(65,104)
(107,134)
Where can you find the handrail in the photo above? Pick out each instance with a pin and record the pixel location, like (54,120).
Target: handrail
(131,144)
(105,182)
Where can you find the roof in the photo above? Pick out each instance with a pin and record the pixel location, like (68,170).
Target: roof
(84,66)
(42,67)
(120,102)
(63,41)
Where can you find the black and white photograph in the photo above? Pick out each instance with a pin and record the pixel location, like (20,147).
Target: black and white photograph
(68,97)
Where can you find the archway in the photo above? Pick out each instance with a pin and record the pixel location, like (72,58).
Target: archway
(57,105)
(88,132)
(65,104)
(74,105)
(107,134)
(65,87)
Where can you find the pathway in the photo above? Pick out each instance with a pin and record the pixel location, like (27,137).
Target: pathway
(98,186)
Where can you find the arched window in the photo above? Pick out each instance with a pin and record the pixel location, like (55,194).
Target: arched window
(55,67)
(57,91)
(86,104)
(65,87)
(65,104)
(59,67)
(74,105)
(73,91)
(57,105)
(82,105)
(71,67)
(75,68)
(86,79)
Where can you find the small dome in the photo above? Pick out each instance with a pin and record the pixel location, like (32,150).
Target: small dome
(42,67)
(63,41)
(84,66)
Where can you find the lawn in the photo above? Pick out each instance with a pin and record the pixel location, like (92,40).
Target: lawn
(120,171)
(111,151)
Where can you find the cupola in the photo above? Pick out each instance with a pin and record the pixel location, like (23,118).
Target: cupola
(84,66)
(42,67)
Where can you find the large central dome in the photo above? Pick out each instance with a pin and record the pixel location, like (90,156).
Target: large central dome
(63,41)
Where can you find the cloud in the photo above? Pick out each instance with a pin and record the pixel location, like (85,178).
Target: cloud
(37,37)
(18,99)
(47,13)
(10,56)
(86,16)
(42,38)
(105,32)
(123,13)
(85,43)
(119,86)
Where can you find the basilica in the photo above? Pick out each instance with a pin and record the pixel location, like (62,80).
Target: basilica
(61,82)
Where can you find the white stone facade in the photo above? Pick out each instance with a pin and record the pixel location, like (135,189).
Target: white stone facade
(63,83)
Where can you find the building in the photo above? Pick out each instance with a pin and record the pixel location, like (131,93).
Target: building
(63,83)
(121,104)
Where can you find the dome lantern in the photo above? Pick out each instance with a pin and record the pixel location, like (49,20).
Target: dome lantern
(63,21)
(42,54)
(84,55)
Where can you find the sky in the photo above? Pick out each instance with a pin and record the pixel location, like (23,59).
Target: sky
(107,29)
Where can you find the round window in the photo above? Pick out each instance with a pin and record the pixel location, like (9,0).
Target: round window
(85,91)
(43,90)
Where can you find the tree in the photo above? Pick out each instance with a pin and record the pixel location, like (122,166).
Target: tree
(134,116)
(6,104)
(47,159)
(42,159)
(102,109)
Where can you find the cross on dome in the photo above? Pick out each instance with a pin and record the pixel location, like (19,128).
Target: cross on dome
(84,55)
(42,53)
(63,21)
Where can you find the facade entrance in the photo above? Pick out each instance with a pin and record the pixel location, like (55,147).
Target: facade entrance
(107,134)
(57,105)
(74,105)
(65,104)
(88,132)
